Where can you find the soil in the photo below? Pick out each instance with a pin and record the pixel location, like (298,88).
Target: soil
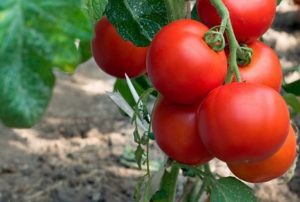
(74,154)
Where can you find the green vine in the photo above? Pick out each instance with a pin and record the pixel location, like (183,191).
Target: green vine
(233,43)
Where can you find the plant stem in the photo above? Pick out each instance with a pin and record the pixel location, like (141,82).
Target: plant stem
(233,43)
(188,9)
(169,183)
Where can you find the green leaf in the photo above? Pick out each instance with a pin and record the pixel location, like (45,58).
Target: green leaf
(137,20)
(293,87)
(176,9)
(136,136)
(148,187)
(141,84)
(195,15)
(139,152)
(167,190)
(36,36)
(278,2)
(292,101)
(95,9)
(230,189)
(85,50)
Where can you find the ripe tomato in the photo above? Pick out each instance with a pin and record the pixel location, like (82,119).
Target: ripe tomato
(250,19)
(270,168)
(181,66)
(175,132)
(114,55)
(264,68)
(243,122)
(297,2)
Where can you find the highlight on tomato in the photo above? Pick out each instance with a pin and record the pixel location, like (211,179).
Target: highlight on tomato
(181,66)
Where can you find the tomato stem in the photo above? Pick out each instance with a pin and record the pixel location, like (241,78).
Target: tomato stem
(233,43)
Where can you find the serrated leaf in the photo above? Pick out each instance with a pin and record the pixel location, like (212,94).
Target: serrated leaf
(36,36)
(230,189)
(137,20)
(139,152)
(95,9)
(136,136)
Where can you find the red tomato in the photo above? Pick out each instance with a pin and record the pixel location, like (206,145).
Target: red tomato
(114,55)
(297,2)
(181,66)
(270,168)
(243,122)
(175,132)
(250,19)
(264,68)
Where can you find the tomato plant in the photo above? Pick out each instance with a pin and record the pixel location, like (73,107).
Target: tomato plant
(270,168)
(207,105)
(114,55)
(250,19)
(264,67)
(174,65)
(234,117)
(176,133)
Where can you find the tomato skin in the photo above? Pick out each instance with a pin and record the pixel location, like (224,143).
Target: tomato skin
(264,68)
(243,122)
(181,66)
(270,168)
(116,56)
(175,132)
(250,19)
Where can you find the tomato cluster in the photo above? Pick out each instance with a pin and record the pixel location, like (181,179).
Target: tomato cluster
(197,117)
(245,124)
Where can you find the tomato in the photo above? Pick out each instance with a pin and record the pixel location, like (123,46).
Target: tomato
(250,19)
(116,56)
(175,132)
(264,68)
(270,168)
(243,122)
(297,2)
(181,66)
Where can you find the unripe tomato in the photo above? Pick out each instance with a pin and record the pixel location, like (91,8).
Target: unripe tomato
(176,133)
(181,66)
(250,19)
(116,56)
(243,122)
(270,168)
(264,68)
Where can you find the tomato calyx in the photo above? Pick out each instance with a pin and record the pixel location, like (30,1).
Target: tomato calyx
(244,55)
(215,38)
